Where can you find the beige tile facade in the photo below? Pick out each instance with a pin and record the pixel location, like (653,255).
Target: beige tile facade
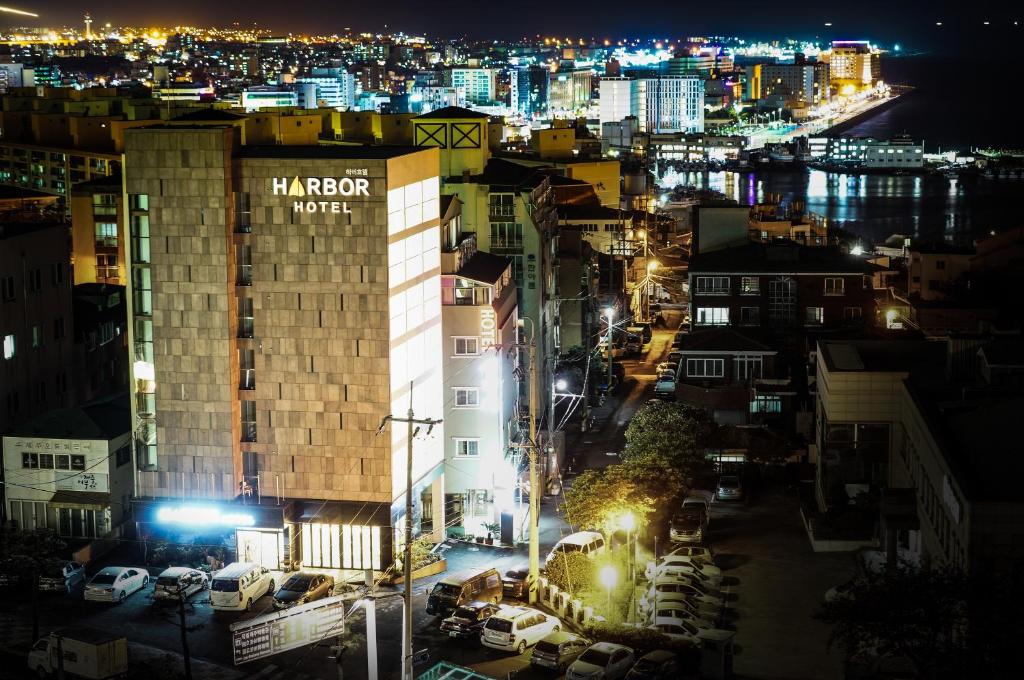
(320,296)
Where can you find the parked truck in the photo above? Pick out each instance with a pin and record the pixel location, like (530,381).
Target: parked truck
(89,654)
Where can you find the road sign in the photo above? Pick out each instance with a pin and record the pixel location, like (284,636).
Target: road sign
(274,633)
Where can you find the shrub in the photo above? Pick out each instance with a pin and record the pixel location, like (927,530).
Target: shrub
(641,640)
(572,572)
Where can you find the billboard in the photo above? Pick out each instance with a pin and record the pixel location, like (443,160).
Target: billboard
(299,626)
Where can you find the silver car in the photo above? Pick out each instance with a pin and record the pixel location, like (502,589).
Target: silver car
(114,584)
(175,582)
(729,488)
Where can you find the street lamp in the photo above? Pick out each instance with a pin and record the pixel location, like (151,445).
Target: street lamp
(627,522)
(609,577)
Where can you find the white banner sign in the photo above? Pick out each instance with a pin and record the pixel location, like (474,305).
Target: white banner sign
(299,626)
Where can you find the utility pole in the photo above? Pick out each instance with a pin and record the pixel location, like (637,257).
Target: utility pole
(535,490)
(410,420)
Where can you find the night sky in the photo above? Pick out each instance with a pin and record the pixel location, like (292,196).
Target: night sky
(911,22)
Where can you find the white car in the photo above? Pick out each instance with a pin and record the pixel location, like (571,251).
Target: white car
(676,629)
(668,586)
(601,661)
(666,563)
(696,552)
(179,580)
(683,610)
(693,572)
(114,584)
(700,608)
(516,628)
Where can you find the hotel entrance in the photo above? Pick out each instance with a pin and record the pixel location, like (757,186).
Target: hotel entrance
(265,547)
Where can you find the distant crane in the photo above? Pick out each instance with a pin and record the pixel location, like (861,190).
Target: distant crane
(11,10)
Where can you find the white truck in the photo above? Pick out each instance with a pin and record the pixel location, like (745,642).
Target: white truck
(89,654)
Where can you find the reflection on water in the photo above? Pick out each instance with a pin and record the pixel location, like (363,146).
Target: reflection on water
(930,207)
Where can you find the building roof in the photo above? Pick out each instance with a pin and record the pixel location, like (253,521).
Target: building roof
(353,152)
(484,267)
(105,419)
(882,356)
(451,112)
(211,115)
(776,258)
(109,182)
(722,340)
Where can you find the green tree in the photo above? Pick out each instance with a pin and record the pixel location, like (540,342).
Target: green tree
(572,572)
(28,553)
(597,498)
(944,622)
(671,432)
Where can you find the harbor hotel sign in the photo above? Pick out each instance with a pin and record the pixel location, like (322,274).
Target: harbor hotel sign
(311,191)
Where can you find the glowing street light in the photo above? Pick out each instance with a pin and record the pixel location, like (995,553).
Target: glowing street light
(627,522)
(609,579)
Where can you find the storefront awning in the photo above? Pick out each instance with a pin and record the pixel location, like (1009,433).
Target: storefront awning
(84,500)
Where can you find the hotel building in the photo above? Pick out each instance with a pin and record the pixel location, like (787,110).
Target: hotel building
(285,299)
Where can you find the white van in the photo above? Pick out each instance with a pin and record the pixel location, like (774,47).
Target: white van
(238,585)
(516,628)
(590,543)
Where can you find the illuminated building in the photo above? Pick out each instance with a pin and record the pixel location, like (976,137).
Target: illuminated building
(867,152)
(660,103)
(570,91)
(478,84)
(12,75)
(799,83)
(479,318)
(854,63)
(528,91)
(97,247)
(258,98)
(326,87)
(283,300)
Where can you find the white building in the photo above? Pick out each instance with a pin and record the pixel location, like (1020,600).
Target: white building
(13,75)
(70,470)
(326,87)
(660,103)
(477,85)
(867,152)
(259,98)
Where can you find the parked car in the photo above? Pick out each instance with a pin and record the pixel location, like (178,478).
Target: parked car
(61,576)
(667,374)
(664,586)
(677,629)
(698,552)
(238,585)
(514,583)
(590,543)
(602,660)
(516,628)
(303,587)
(465,586)
(467,620)
(667,562)
(667,365)
(557,650)
(674,357)
(174,582)
(729,488)
(700,609)
(692,573)
(665,388)
(89,654)
(682,609)
(696,501)
(688,526)
(656,665)
(114,584)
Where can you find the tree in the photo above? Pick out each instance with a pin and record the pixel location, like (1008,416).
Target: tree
(572,572)
(597,498)
(672,432)
(945,623)
(28,553)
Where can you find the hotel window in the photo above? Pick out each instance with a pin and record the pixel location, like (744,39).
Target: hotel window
(712,316)
(139,201)
(248,421)
(851,313)
(10,347)
(467,347)
(705,368)
(467,448)
(503,205)
(750,316)
(815,316)
(106,234)
(750,285)
(246,369)
(766,403)
(104,204)
(467,397)
(833,286)
(245,318)
(713,285)
(37,336)
(747,367)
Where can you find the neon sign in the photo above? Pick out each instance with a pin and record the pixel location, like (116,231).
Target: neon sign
(203,515)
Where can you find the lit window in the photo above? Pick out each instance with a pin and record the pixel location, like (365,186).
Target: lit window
(467,448)
(766,403)
(9,347)
(815,316)
(705,368)
(467,397)
(712,316)
(750,285)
